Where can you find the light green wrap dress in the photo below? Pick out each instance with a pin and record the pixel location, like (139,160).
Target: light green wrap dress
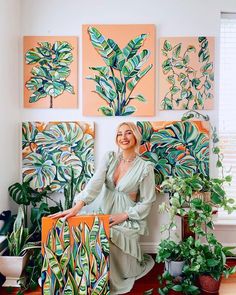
(126,260)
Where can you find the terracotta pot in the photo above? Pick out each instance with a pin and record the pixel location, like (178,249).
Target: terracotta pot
(209,284)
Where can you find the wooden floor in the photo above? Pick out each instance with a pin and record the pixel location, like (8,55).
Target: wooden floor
(228,287)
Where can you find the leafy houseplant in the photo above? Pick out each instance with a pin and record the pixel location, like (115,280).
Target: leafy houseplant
(172,254)
(188,88)
(202,260)
(51,71)
(19,241)
(116,81)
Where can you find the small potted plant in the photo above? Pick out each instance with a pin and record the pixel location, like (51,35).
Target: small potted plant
(15,258)
(171,253)
(211,259)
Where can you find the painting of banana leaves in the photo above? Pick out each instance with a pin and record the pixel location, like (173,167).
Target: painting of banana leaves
(176,148)
(118,70)
(50,72)
(54,152)
(187,73)
(75,255)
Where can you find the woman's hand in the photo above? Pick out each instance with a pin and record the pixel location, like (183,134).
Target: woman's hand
(69,212)
(117,218)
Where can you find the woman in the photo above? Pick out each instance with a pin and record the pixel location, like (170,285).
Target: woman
(126,186)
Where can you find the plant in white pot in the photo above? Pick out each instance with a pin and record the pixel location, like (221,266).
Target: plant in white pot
(171,253)
(14,259)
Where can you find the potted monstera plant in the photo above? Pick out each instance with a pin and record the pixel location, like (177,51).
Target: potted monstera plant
(15,258)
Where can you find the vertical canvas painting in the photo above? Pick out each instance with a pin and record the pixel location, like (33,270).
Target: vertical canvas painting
(50,72)
(52,151)
(176,148)
(75,255)
(118,70)
(186,73)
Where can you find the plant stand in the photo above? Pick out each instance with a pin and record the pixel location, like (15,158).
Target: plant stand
(185,230)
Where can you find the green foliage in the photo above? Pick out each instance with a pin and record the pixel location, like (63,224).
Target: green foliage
(76,268)
(116,81)
(179,149)
(57,148)
(19,239)
(187,88)
(52,70)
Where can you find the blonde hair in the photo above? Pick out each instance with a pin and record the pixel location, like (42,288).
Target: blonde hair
(136,133)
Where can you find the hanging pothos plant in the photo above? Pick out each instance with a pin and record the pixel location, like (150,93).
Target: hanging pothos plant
(116,81)
(51,71)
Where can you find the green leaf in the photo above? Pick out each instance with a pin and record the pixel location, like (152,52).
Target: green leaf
(54,88)
(37,95)
(128,110)
(133,46)
(167,46)
(179,65)
(101,45)
(191,48)
(207,85)
(120,58)
(131,84)
(103,71)
(176,50)
(174,89)
(177,288)
(140,97)
(167,65)
(68,87)
(107,111)
(195,82)
(134,64)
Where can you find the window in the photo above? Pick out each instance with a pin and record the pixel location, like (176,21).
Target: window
(227,100)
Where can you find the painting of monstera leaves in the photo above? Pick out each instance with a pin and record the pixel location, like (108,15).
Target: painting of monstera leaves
(50,72)
(118,70)
(176,148)
(187,73)
(52,152)
(75,255)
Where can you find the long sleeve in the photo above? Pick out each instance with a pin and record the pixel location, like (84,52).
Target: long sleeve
(95,184)
(147,196)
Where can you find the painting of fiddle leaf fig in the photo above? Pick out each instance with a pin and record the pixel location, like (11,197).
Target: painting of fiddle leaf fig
(119,70)
(76,255)
(50,72)
(55,152)
(176,148)
(187,73)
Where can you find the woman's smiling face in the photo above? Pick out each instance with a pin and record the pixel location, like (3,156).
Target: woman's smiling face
(125,138)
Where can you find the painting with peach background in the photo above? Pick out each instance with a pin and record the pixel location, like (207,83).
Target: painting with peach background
(118,70)
(50,72)
(186,73)
(177,148)
(53,151)
(75,255)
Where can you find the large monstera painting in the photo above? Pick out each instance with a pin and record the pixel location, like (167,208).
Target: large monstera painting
(118,70)
(51,151)
(176,148)
(50,72)
(187,73)
(75,255)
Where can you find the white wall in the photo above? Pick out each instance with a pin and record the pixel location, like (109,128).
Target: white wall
(59,17)
(9,97)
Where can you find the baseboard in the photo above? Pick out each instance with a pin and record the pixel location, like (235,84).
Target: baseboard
(149,247)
